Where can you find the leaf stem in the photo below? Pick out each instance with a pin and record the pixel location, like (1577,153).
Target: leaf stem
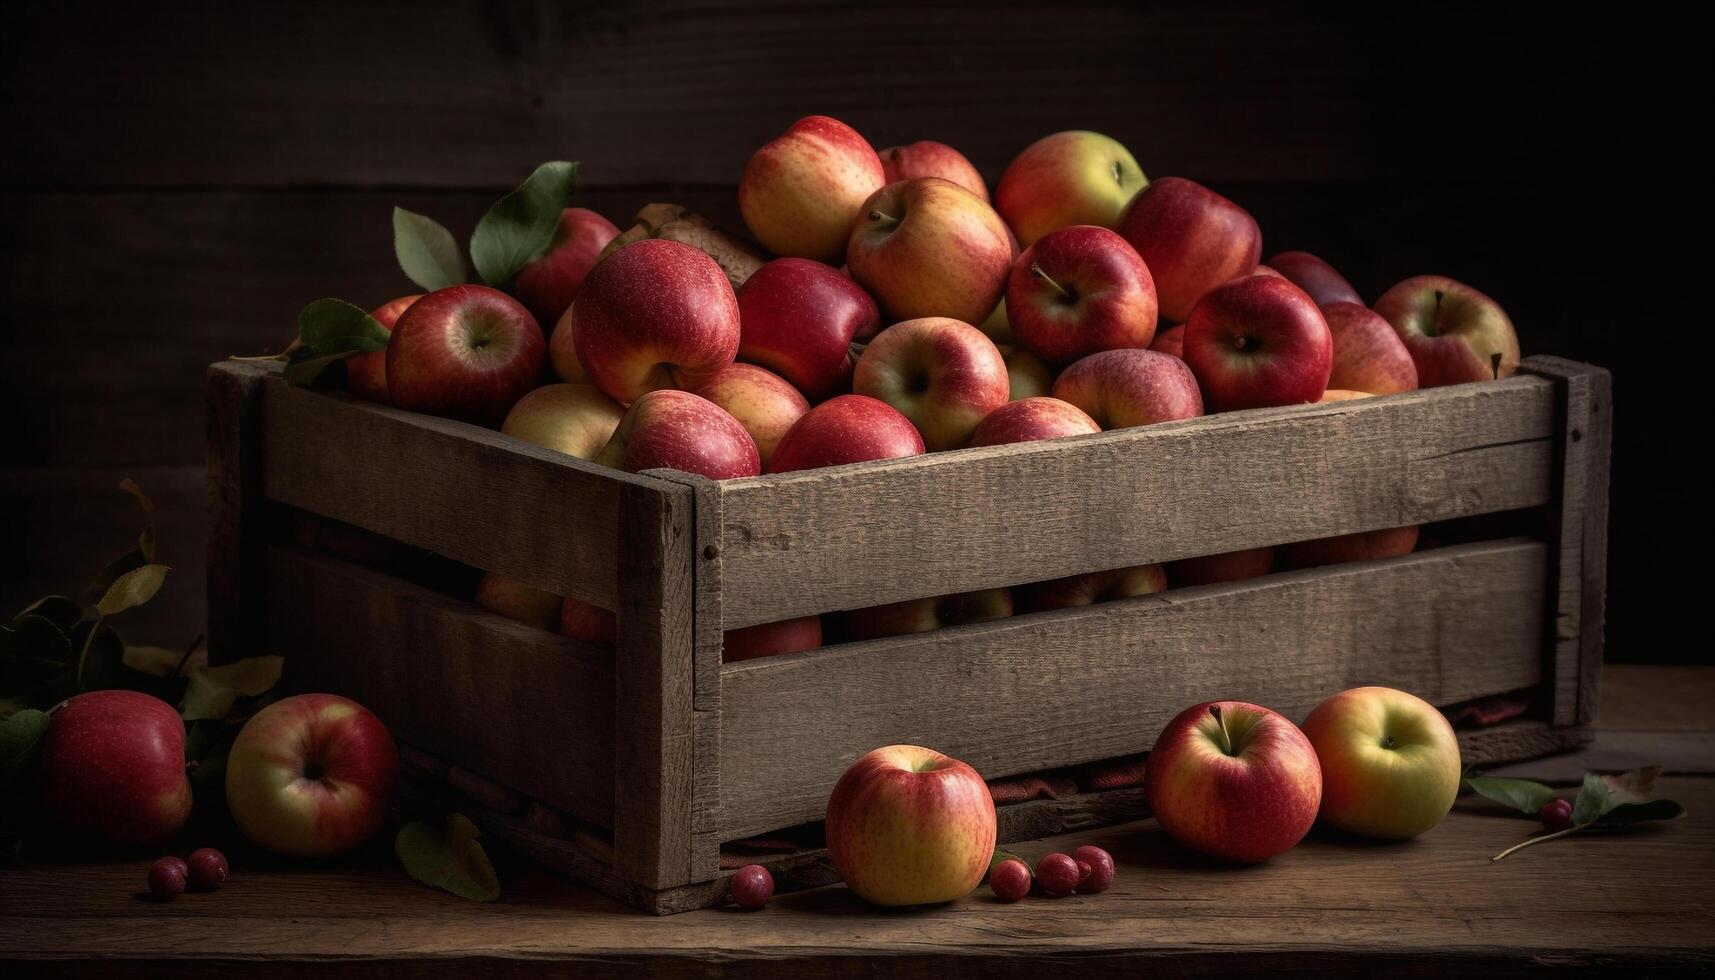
(1538,840)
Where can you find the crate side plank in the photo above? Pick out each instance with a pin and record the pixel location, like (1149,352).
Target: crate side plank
(527,708)
(854,536)
(469,493)
(1063,688)
(237,560)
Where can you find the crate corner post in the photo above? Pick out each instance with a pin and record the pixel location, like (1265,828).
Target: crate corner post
(237,559)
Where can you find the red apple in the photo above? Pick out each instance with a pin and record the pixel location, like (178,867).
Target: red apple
(113,768)
(762,401)
(1390,762)
(366,374)
(1084,590)
(311,776)
(1233,780)
(806,322)
(923,615)
(801,192)
(1170,341)
(928,247)
(942,374)
(1258,341)
(1030,419)
(1123,388)
(769,639)
(1192,239)
(1080,290)
(1026,375)
(676,430)
(1454,333)
(1228,566)
(574,419)
(1342,395)
(513,599)
(549,283)
(1071,178)
(465,352)
(1368,354)
(927,158)
(909,826)
(592,624)
(1315,277)
(846,429)
(1361,546)
(1264,270)
(655,314)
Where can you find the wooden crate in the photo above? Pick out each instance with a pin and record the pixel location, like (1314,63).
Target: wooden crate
(661,753)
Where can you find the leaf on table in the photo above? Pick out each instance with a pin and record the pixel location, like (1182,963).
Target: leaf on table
(63,611)
(1523,795)
(213,690)
(520,226)
(427,252)
(451,859)
(20,739)
(132,589)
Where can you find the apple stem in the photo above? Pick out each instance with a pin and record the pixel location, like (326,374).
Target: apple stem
(1495,364)
(883,216)
(1221,724)
(1036,270)
(1537,840)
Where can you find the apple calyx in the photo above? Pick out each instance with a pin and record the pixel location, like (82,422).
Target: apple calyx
(1221,726)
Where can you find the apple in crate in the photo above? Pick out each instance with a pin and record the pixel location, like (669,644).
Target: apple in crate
(801,191)
(1320,280)
(846,429)
(1170,341)
(1026,375)
(590,623)
(1368,355)
(311,776)
(676,430)
(1228,566)
(1454,333)
(805,322)
(1256,342)
(113,768)
(770,639)
(1030,419)
(927,158)
(1094,587)
(1360,546)
(1072,178)
(1192,239)
(1080,290)
(1390,762)
(926,614)
(910,826)
(654,314)
(763,402)
(1123,388)
(366,374)
(943,374)
(563,353)
(928,247)
(464,352)
(513,599)
(575,419)
(549,283)
(1233,780)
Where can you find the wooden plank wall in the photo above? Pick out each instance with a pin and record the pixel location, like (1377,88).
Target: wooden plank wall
(179,180)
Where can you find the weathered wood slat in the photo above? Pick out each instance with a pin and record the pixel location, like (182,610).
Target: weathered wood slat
(527,708)
(237,568)
(469,493)
(855,536)
(1099,682)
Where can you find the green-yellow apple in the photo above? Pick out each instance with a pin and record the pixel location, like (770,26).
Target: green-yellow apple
(1123,388)
(465,352)
(1316,277)
(801,192)
(575,419)
(1026,375)
(910,826)
(927,158)
(1029,419)
(1368,354)
(548,284)
(563,353)
(1071,178)
(928,247)
(1080,290)
(113,768)
(1084,590)
(366,374)
(1192,239)
(1258,341)
(513,599)
(1233,780)
(1454,333)
(311,776)
(942,374)
(1360,546)
(923,615)
(654,314)
(845,429)
(762,401)
(1228,566)
(807,323)
(1390,762)
(998,326)
(676,430)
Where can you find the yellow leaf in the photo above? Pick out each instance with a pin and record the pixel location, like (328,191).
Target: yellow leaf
(134,588)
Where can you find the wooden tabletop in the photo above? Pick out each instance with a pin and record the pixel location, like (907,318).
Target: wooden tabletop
(1636,900)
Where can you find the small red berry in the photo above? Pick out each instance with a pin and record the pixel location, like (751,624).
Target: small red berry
(1096,869)
(1010,880)
(1057,874)
(751,887)
(1556,814)
(167,878)
(207,869)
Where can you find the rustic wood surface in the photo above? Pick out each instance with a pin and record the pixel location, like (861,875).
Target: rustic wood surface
(852,536)
(1332,905)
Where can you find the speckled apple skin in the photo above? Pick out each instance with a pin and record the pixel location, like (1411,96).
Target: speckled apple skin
(927,158)
(548,285)
(1030,419)
(846,429)
(763,402)
(801,191)
(943,374)
(929,248)
(1192,239)
(676,430)
(1258,342)
(800,319)
(113,767)
(366,374)
(1123,388)
(465,352)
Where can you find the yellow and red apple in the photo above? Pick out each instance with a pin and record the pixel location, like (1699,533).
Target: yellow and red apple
(1071,178)
(575,419)
(928,247)
(942,374)
(1389,760)
(802,190)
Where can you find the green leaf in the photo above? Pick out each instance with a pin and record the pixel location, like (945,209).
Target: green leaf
(452,860)
(212,690)
(129,561)
(132,589)
(1593,800)
(427,251)
(20,742)
(331,330)
(303,366)
(1522,795)
(62,611)
(520,226)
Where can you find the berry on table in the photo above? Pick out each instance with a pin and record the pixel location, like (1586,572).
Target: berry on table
(207,868)
(1057,874)
(1556,814)
(167,878)
(1010,880)
(1095,869)
(751,887)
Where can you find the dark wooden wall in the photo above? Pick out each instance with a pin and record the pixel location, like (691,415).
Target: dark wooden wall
(177,180)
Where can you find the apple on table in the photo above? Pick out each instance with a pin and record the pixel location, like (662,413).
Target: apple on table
(113,768)
(464,352)
(1075,177)
(802,190)
(943,374)
(928,247)
(1389,760)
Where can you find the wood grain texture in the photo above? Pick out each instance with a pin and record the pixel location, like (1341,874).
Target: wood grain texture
(237,530)
(530,709)
(854,536)
(469,493)
(1449,624)
(654,759)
